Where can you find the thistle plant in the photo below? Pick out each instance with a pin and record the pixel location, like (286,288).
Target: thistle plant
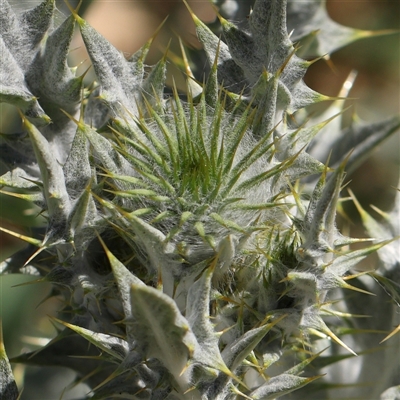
(192,237)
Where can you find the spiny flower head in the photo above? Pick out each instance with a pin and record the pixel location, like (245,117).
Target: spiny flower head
(194,241)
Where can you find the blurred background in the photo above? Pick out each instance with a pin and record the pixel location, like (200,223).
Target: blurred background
(128,25)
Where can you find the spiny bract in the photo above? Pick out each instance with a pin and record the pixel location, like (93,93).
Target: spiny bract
(194,241)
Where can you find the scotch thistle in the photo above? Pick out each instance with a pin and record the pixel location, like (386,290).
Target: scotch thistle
(191,236)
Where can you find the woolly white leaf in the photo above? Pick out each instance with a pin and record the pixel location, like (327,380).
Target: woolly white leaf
(392,393)
(8,387)
(161,330)
(120,78)
(207,353)
(318,33)
(279,386)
